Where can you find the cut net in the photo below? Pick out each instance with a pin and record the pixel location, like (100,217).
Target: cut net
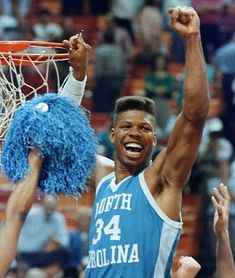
(26,70)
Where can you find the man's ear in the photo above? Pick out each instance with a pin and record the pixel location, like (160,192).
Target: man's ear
(155,139)
(111,135)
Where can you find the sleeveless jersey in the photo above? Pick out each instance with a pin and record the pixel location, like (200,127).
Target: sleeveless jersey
(130,236)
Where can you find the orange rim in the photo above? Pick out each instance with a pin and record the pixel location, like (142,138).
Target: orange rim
(23,45)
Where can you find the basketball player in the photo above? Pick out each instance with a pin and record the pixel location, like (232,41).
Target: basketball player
(17,208)
(224,258)
(136,221)
(225,265)
(23,196)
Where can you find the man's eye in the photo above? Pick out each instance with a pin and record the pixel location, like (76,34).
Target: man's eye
(125,126)
(145,128)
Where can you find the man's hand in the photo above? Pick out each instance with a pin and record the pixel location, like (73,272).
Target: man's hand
(79,55)
(221,200)
(184,20)
(188,268)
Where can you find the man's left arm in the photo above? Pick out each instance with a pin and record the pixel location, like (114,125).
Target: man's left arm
(79,55)
(171,169)
(183,143)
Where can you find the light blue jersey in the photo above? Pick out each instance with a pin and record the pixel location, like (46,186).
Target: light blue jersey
(130,236)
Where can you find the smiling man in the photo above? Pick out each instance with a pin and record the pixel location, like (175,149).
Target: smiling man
(136,223)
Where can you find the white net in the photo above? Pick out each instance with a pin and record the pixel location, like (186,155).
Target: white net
(38,69)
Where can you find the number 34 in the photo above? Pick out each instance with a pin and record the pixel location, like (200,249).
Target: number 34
(112,229)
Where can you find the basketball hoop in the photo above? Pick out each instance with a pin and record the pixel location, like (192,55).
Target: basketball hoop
(21,52)
(27,68)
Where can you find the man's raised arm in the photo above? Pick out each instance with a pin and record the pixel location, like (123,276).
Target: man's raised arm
(79,55)
(184,141)
(18,206)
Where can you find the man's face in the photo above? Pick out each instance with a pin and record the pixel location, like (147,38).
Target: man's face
(49,203)
(133,137)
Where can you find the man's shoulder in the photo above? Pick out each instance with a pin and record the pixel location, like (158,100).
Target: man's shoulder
(104,166)
(58,215)
(36,209)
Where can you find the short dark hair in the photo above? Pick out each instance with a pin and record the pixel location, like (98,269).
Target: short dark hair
(44,12)
(108,37)
(134,103)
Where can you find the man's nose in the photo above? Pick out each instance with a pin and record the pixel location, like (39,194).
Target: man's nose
(135,131)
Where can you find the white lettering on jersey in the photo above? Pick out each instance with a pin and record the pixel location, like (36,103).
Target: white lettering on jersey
(112,229)
(118,201)
(118,254)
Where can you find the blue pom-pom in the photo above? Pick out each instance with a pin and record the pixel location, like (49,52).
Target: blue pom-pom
(67,142)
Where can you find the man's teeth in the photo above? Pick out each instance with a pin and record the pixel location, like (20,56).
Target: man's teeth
(133,145)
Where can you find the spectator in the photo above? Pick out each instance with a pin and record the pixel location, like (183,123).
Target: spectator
(150,25)
(225,62)
(79,237)
(210,12)
(228,21)
(44,238)
(120,34)
(216,146)
(159,86)
(10,5)
(9,26)
(110,69)
(125,12)
(45,29)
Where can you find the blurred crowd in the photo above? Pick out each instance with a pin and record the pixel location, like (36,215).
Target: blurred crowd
(133,41)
